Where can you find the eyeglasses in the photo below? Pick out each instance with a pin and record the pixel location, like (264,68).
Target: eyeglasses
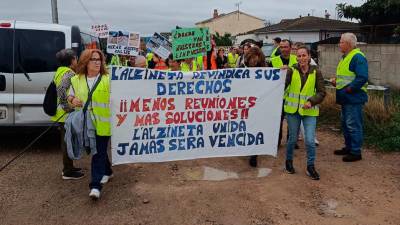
(95,59)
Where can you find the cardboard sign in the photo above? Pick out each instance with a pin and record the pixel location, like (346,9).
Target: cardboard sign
(123,43)
(159,45)
(174,115)
(100,30)
(190,42)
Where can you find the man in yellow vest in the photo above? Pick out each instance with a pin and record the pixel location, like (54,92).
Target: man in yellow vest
(351,93)
(62,79)
(232,58)
(283,61)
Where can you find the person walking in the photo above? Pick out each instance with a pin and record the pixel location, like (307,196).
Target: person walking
(92,77)
(62,79)
(305,90)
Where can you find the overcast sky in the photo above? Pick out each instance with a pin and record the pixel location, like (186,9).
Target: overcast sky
(146,16)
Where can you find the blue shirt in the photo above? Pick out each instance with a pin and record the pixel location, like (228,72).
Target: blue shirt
(352,93)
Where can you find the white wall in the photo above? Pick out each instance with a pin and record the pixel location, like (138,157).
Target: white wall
(305,37)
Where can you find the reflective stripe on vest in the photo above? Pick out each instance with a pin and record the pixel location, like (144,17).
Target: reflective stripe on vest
(100,105)
(277,61)
(297,97)
(344,75)
(58,77)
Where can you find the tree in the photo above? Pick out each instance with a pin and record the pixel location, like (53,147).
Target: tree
(223,40)
(377,17)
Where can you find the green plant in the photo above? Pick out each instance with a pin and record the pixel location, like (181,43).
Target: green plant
(381,124)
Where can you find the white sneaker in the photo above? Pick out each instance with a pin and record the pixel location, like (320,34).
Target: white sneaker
(94,193)
(106,178)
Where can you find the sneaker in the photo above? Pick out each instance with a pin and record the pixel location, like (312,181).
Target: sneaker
(72,175)
(311,172)
(289,167)
(253,161)
(94,194)
(343,151)
(351,158)
(106,178)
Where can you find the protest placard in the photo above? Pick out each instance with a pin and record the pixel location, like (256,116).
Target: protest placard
(123,43)
(172,115)
(100,30)
(159,45)
(190,42)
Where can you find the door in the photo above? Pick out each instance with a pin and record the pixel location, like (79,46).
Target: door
(35,65)
(6,76)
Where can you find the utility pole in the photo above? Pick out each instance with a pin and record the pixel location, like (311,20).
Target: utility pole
(238,6)
(54,11)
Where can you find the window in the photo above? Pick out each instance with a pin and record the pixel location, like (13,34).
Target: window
(36,50)
(6,45)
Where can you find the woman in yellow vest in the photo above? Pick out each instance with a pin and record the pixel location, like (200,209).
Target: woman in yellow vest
(305,90)
(67,60)
(91,67)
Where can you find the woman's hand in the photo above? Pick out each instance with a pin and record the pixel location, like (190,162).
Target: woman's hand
(307,105)
(76,102)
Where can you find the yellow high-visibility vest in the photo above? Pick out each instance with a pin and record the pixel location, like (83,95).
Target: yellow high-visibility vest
(100,106)
(61,71)
(277,61)
(344,75)
(297,97)
(232,60)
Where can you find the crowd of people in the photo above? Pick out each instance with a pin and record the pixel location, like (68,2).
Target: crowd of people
(84,86)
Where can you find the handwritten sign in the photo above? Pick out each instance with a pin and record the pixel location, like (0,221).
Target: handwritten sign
(100,30)
(123,43)
(171,116)
(190,42)
(159,45)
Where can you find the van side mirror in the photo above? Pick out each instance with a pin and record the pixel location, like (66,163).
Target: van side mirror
(2,82)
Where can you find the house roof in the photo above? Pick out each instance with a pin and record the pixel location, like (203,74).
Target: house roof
(224,15)
(307,23)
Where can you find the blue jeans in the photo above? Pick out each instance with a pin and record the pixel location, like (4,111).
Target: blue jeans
(100,162)
(352,126)
(309,122)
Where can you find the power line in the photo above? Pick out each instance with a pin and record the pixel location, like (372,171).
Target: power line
(87,11)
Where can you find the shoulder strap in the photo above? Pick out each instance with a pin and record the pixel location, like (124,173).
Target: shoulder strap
(89,99)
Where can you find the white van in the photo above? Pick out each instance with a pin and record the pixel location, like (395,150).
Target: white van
(28,64)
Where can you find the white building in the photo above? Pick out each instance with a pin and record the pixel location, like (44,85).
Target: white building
(307,29)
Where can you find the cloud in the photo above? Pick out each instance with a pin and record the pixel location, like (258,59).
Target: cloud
(158,16)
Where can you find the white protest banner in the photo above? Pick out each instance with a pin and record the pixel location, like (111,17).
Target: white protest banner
(100,30)
(159,45)
(123,43)
(165,115)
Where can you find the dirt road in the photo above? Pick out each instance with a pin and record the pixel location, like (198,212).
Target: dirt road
(365,192)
